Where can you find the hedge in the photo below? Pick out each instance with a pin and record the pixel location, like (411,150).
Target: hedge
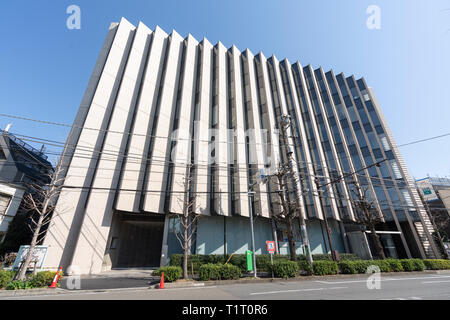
(209,271)
(305,267)
(347,267)
(5,277)
(383,265)
(396,265)
(285,269)
(18,284)
(42,279)
(436,264)
(239,260)
(171,273)
(412,264)
(325,267)
(229,271)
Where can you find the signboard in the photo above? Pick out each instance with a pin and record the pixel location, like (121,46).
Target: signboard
(426,188)
(37,259)
(270,246)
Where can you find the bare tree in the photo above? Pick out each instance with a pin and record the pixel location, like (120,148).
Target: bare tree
(289,208)
(367,214)
(40,200)
(187,219)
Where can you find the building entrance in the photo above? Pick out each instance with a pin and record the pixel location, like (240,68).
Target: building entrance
(139,241)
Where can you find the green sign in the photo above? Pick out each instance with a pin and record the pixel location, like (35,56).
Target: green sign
(249,257)
(426,191)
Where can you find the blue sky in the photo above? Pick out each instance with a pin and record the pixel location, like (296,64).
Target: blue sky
(45,67)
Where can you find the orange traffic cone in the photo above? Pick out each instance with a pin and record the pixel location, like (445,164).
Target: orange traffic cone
(161,284)
(56,278)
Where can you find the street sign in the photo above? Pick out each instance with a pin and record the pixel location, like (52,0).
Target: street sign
(37,260)
(270,246)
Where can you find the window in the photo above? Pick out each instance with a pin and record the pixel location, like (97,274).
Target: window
(368,127)
(379,129)
(344,123)
(2,154)
(4,202)
(377,153)
(352,149)
(365,152)
(356,126)
(390,155)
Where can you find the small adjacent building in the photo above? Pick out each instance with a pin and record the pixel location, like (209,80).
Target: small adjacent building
(20,165)
(436,192)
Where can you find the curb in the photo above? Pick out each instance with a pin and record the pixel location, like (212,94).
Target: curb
(296,279)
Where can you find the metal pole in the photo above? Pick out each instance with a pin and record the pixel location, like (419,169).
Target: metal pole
(316,180)
(286,123)
(250,193)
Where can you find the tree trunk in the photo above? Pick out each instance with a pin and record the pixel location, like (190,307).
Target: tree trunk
(186,248)
(377,242)
(23,269)
(291,240)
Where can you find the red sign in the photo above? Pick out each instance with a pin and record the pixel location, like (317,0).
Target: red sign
(270,246)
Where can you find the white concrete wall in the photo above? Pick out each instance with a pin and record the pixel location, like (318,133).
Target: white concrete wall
(16,195)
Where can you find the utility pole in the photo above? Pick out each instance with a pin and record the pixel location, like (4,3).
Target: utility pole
(325,218)
(285,124)
(250,203)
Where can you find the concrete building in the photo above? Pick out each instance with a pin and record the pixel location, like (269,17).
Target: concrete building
(436,192)
(20,165)
(157,102)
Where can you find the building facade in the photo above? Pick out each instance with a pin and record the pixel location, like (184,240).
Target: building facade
(20,166)
(159,103)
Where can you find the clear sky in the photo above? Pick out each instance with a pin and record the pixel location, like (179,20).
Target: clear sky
(45,67)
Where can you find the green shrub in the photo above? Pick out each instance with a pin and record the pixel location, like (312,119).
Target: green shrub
(263,262)
(325,267)
(239,260)
(18,284)
(437,264)
(407,264)
(348,256)
(5,277)
(322,256)
(418,264)
(285,269)
(305,267)
(209,271)
(347,267)
(42,279)
(395,264)
(383,265)
(228,271)
(171,273)
(362,265)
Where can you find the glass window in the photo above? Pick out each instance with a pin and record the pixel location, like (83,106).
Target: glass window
(365,152)
(368,127)
(377,153)
(356,125)
(352,149)
(390,155)
(379,129)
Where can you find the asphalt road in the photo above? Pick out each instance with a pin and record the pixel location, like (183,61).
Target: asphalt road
(391,287)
